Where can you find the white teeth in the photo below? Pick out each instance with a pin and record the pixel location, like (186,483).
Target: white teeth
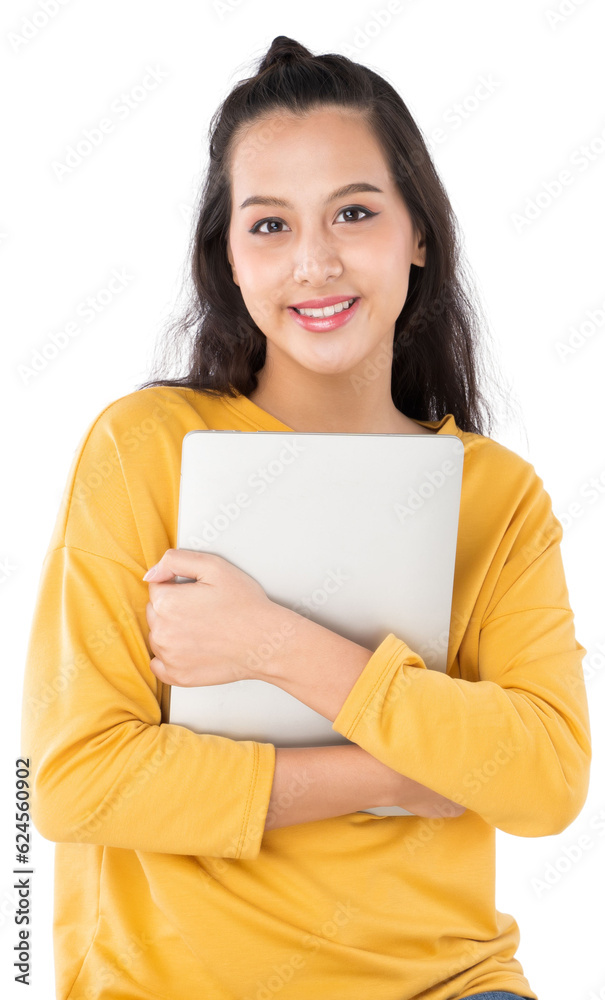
(328,311)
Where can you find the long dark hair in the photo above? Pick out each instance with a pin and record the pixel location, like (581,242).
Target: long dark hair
(438,334)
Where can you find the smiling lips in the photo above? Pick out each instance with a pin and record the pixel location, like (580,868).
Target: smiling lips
(336,311)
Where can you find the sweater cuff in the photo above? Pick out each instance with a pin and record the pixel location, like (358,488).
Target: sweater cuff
(257,805)
(374,683)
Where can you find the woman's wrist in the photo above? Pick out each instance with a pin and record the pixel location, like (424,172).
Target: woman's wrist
(379,784)
(314,783)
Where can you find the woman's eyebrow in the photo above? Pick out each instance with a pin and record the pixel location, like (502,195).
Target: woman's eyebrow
(342,192)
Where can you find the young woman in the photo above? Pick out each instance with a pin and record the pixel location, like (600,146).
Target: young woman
(194,865)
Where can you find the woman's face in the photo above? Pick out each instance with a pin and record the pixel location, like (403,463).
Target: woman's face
(356,245)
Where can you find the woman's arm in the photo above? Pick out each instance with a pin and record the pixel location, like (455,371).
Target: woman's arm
(105,766)
(511,739)
(313,783)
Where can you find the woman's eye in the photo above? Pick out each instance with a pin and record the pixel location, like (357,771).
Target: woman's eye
(257,228)
(353,209)
(266,222)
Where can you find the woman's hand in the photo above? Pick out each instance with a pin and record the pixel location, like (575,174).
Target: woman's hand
(206,631)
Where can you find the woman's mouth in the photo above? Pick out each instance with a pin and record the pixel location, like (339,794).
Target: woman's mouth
(328,318)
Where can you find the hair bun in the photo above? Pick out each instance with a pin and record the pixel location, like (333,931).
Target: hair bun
(284,48)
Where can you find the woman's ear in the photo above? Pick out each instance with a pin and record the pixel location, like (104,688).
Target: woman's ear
(419,257)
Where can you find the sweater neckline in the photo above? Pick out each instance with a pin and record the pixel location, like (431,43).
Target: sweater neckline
(261,419)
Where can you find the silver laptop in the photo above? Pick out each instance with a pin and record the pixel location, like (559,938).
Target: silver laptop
(356,531)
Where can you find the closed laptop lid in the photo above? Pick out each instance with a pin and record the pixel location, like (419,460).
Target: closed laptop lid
(356,531)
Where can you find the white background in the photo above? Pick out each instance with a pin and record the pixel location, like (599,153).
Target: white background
(128,206)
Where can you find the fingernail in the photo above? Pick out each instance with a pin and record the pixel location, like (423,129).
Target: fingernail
(150,572)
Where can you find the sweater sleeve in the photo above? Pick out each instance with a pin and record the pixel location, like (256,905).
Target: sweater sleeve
(513,745)
(105,768)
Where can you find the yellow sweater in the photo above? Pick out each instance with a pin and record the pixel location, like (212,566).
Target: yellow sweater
(166,884)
